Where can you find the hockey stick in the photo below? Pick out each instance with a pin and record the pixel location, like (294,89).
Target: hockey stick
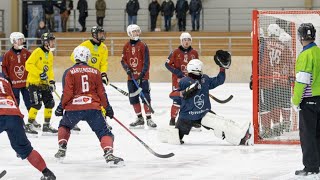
(142,95)
(144,144)
(120,90)
(4,172)
(221,101)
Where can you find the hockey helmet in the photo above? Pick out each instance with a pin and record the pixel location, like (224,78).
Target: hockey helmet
(82,54)
(185,35)
(195,67)
(306,32)
(95,30)
(274,30)
(131,28)
(15,36)
(46,38)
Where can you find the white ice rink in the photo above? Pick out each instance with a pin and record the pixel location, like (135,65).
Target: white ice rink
(203,156)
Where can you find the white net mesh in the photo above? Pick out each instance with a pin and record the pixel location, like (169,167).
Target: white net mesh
(278,48)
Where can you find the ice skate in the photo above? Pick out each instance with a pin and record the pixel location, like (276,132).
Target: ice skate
(61,154)
(30,130)
(151,124)
(172,122)
(304,172)
(35,124)
(48,130)
(138,124)
(246,139)
(48,175)
(112,161)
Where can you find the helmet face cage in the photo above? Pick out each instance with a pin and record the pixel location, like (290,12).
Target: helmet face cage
(306,32)
(82,54)
(15,36)
(131,28)
(195,67)
(95,30)
(46,37)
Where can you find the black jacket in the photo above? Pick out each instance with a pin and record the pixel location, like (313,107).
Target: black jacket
(83,7)
(167,8)
(195,6)
(48,6)
(182,8)
(132,7)
(154,8)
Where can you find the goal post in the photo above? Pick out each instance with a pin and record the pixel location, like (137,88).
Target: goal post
(275,47)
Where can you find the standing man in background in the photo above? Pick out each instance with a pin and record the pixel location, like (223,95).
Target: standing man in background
(195,9)
(306,98)
(65,9)
(83,13)
(167,9)
(13,67)
(154,9)
(101,11)
(182,8)
(49,13)
(132,9)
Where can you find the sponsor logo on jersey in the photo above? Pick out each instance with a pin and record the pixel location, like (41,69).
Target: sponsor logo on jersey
(19,71)
(199,101)
(94,60)
(7,103)
(82,100)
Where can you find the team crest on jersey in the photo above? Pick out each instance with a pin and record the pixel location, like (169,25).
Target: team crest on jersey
(19,71)
(93,60)
(133,50)
(185,59)
(134,62)
(199,101)
(45,68)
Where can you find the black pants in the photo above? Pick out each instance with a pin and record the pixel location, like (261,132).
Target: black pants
(82,21)
(182,23)
(309,130)
(153,21)
(100,21)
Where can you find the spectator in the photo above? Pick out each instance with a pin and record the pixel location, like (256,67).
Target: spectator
(101,11)
(65,10)
(167,8)
(41,30)
(49,13)
(132,9)
(195,9)
(182,8)
(83,13)
(154,9)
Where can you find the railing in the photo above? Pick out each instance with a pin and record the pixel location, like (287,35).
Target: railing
(166,44)
(1,20)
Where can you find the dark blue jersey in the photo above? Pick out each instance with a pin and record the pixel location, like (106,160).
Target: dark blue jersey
(196,107)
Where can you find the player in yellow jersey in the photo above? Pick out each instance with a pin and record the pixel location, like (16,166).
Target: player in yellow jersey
(99,60)
(41,84)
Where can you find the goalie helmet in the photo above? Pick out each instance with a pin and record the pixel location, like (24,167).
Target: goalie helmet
(306,32)
(185,35)
(195,67)
(15,36)
(285,37)
(131,28)
(45,39)
(223,59)
(274,30)
(82,54)
(95,30)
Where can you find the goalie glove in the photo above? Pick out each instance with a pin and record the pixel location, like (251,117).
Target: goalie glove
(191,90)
(222,59)
(105,79)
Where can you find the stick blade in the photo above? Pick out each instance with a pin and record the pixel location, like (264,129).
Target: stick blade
(164,155)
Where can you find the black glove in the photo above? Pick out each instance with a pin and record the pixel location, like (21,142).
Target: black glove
(105,79)
(59,111)
(52,85)
(43,76)
(223,59)
(128,70)
(191,90)
(110,112)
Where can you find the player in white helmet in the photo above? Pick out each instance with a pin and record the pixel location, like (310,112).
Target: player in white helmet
(176,63)
(13,67)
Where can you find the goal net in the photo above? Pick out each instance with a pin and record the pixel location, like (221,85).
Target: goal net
(275,49)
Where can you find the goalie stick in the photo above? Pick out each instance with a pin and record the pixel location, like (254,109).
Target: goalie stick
(143,143)
(4,172)
(219,100)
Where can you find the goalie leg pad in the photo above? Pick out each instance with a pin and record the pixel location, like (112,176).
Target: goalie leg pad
(169,135)
(232,131)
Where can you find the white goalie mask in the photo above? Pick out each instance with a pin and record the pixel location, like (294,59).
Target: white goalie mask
(82,54)
(133,31)
(285,37)
(14,38)
(274,30)
(185,35)
(195,67)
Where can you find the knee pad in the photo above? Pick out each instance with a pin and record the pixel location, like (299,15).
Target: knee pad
(37,106)
(49,104)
